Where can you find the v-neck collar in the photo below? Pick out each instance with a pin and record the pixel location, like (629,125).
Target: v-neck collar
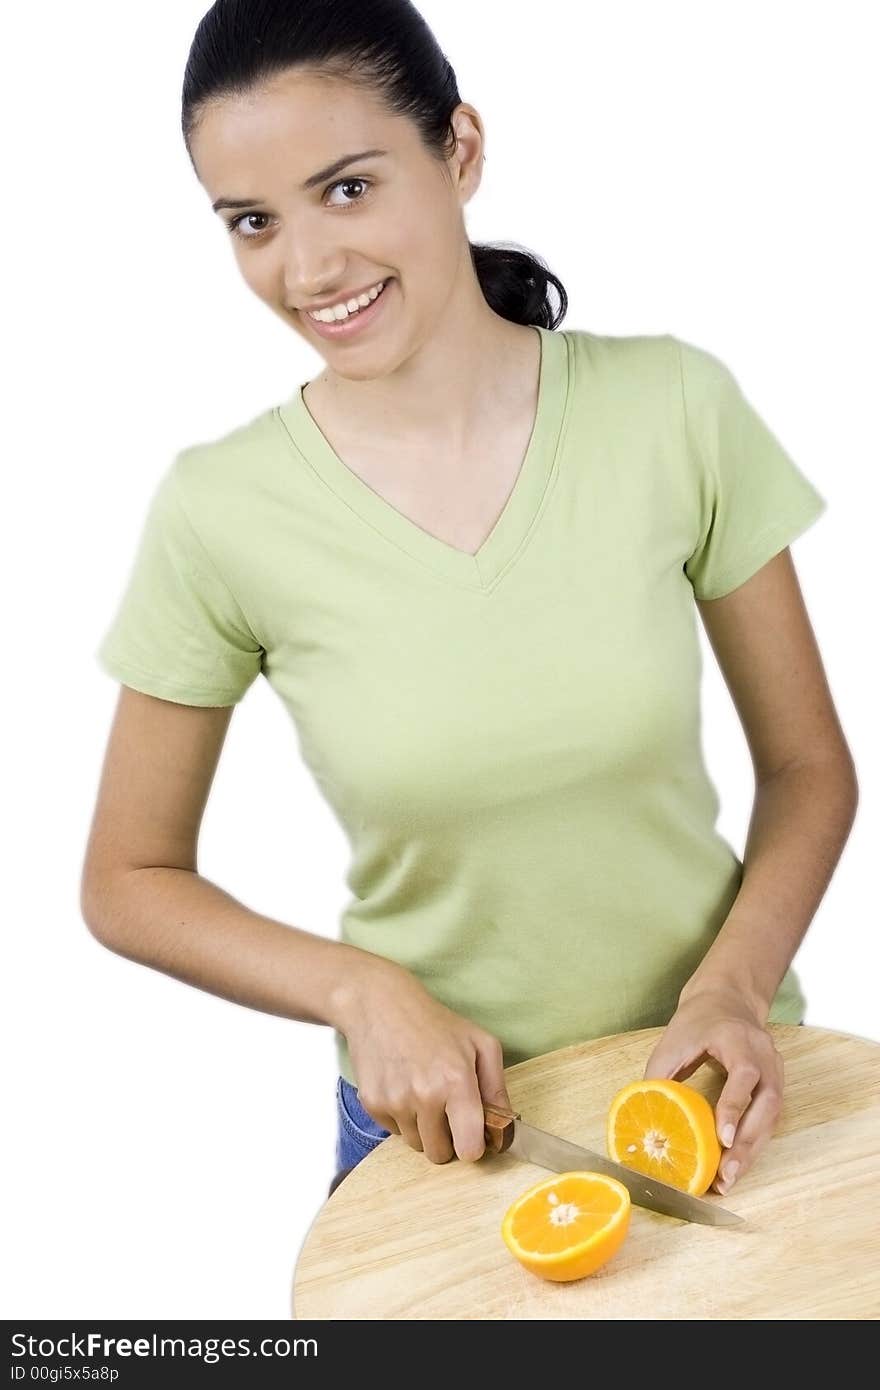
(521,511)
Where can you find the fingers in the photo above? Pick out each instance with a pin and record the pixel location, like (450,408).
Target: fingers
(489,1068)
(464,1107)
(449,1121)
(402,1121)
(396,1112)
(751,1098)
(436,1136)
(454,1125)
(746,1071)
(421,1121)
(754,1130)
(735,1098)
(441,1113)
(464,1110)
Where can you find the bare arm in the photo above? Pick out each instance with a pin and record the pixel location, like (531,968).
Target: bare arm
(806,795)
(143,897)
(423,1071)
(806,792)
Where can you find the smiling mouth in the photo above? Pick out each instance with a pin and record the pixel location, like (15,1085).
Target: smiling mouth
(354,324)
(370,295)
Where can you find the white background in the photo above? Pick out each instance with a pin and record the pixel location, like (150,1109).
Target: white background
(700,169)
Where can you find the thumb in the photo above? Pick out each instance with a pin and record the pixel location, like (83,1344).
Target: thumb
(489,1065)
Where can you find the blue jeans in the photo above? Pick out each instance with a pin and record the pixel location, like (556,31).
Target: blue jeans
(358,1133)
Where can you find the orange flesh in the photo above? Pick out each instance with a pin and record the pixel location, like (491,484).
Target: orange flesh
(662,1138)
(535,1229)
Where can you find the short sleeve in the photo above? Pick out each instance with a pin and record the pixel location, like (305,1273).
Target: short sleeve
(179,632)
(753,499)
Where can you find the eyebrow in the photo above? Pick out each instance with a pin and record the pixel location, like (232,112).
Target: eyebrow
(311,182)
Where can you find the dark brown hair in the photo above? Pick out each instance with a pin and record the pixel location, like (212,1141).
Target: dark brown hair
(386,46)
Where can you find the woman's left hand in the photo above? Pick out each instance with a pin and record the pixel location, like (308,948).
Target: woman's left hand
(719,1026)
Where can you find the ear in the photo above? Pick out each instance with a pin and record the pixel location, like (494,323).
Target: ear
(467,161)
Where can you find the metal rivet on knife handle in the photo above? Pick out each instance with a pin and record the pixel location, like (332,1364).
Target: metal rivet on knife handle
(499,1127)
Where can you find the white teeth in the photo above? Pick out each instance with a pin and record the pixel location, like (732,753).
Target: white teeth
(341,311)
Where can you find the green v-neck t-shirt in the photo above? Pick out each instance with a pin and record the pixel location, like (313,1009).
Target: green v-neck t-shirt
(510,740)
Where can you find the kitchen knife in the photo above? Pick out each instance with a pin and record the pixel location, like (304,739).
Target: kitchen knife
(506,1132)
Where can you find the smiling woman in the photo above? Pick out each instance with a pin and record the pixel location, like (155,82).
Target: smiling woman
(380,70)
(468,558)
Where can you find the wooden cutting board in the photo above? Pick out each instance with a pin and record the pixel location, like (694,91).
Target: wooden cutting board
(404,1238)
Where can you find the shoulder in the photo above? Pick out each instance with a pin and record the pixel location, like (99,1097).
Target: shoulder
(661,375)
(228,459)
(637,357)
(629,382)
(220,486)
(705,380)
(626,362)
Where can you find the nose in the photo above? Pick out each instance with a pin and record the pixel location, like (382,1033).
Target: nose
(312,263)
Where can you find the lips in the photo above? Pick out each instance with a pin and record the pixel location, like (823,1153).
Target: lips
(344,300)
(353,323)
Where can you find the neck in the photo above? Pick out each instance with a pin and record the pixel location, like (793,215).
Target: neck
(472,362)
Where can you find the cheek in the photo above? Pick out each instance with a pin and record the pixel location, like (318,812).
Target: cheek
(424,228)
(425,252)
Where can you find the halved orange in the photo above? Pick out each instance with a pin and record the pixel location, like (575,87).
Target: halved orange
(568,1225)
(666,1130)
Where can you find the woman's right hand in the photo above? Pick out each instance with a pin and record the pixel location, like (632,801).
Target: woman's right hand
(423,1071)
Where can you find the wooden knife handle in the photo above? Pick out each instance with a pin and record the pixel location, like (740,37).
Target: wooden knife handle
(499,1127)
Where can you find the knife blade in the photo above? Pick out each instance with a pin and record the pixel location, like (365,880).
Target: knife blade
(507,1132)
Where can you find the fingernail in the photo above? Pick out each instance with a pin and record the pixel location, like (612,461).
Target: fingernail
(727,1135)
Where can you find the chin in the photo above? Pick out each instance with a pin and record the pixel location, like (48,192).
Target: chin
(375,363)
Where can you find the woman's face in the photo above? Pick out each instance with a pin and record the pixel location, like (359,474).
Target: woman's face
(302,241)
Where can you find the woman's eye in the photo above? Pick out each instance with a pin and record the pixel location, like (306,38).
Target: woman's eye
(237,224)
(350,183)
